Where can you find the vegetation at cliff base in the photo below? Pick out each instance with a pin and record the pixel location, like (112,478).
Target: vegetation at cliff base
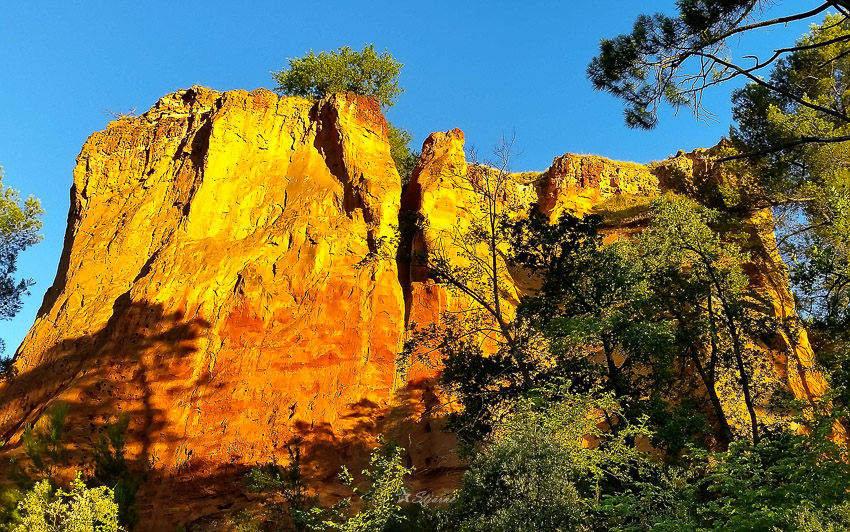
(102,501)
(82,509)
(376,496)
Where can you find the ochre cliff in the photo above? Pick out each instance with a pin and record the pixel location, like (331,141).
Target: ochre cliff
(230,280)
(221,284)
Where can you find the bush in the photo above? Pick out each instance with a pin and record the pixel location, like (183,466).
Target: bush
(783,482)
(538,473)
(378,508)
(44,447)
(288,483)
(79,510)
(404,157)
(366,73)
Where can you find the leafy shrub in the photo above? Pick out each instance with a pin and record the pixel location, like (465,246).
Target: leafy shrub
(43,446)
(404,157)
(366,73)
(378,508)
(539,472)
(301,511)
(44,509)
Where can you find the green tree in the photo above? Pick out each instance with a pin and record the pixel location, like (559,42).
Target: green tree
(10,515)
(403,155)
(787,481)
(45,449)
(385,482)
(672,59)
(19,226)
(378,494)
(587,302)
(809,183)
(696,278)
(539,472)
(44,509)
(660,320)
(790,144)
(366,73)
(469,259)
(44,446)
(301,511)
(111,469)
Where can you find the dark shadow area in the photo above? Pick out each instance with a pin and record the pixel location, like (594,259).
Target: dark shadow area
(412,421)
(61,279)
(141,364)
(141,352)
(110,372)
(329,144)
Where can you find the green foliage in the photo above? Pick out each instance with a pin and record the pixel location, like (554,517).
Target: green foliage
(44,446)
(672,59)
(696,278)
(648,66)
(46,450)
(301,511)
(629,316)
(481,383)
(377,501)
(812,180)
(366,73)
(44,509)
(538,471)
(111,470)
(19,226)
(10,516)
(659,321)
(787,481)
(808,183)
(405,158)
(586,302)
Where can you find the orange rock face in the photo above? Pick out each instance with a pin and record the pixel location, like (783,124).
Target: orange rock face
(230,281)
(221,283)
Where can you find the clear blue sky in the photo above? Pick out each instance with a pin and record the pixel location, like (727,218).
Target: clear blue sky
(488,68)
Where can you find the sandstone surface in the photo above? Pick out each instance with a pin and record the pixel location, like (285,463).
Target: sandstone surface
(221,284)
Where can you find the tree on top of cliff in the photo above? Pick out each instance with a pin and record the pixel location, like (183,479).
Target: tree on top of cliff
(366,73)
(19,226)
(673,59)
